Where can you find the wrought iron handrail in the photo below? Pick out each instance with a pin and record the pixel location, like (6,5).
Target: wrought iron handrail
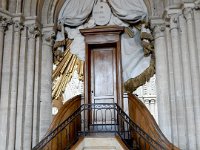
(111,118)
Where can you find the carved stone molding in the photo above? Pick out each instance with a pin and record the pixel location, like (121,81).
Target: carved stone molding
(33,31)
(49,37)
(5,22)
(187,12)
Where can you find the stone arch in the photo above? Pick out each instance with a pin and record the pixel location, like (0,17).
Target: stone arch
(50,10)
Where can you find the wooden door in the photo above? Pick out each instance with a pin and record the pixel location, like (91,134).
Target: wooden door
(103,75)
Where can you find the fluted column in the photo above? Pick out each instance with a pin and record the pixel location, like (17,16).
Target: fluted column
(164,111)
(29,100)
(5,84)
(188,94)
(14,83)
(46,84)
(178,80)
(188,13)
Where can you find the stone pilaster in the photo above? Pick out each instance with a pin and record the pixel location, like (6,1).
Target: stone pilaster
(178,80)
(33,32)
(46,84)
(188,13)
(14,84)
(164,117)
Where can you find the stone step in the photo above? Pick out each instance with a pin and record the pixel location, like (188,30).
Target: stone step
(99,143)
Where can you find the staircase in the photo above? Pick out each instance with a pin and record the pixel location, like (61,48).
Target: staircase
(102,119)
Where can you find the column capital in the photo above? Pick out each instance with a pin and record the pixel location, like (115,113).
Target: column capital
(197,5)
(33,30)
(5,22)
(171,15)
(18,26)
(49,37)
(174,21)
(187,12)
(159,30)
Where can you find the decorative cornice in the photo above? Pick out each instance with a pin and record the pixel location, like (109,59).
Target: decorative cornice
(33,30)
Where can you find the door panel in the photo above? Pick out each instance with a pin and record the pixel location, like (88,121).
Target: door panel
(103,75)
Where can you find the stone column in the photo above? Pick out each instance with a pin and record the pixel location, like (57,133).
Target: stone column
(37,91)
(5,84)
(14,84)
(178,80)
(188,94)
(197,28)
(164,118)
(194,69)
(3,26)
(4,4)
(46,82)
(171,87)
(22,90)
(29,100)
(19,6)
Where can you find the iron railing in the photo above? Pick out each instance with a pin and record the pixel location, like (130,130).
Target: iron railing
(101,118)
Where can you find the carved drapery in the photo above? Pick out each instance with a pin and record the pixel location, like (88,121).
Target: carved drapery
(147,42)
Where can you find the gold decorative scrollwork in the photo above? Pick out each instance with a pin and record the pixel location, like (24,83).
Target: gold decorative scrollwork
(66,63)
